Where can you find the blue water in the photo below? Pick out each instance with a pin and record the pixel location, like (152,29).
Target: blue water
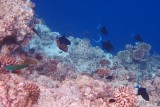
(121,17)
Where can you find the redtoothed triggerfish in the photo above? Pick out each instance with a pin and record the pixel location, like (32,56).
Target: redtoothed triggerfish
(103,30)
(64,40)
(137,37)
(106,45)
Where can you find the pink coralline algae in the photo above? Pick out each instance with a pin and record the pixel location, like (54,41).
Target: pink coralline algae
(16,20)
(15,16)
(15,92)
(82,92)
(51,68)
(102,72)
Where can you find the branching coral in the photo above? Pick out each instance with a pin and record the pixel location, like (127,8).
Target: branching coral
(6,60)
(33,91)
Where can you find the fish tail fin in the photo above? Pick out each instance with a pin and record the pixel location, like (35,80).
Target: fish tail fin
(99,40)
(10,71)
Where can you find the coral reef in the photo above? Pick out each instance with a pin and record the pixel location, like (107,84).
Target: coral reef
(33,91)
(85,76)
(6,60)
(80,51)
(16,23)
(16,92)
(125,97)
(86,57)
(138,54)
(137,58)
(15,17)
(103,72)
(75,93)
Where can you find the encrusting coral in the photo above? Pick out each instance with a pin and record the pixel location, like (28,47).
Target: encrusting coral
(15,18)
(16,92)
(16,24)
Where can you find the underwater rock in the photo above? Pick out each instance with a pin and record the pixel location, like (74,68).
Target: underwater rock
(104,62)
(125,56)
(17,23)
(144,46)
(157,82)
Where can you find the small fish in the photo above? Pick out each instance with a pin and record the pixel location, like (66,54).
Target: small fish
(103,30)
(64,40)
(35,31)
(27,62)
(12,68)
(61,46)
(112,100)
(9,40)
(143,93)
(107,45)
(137,37)
(109,77)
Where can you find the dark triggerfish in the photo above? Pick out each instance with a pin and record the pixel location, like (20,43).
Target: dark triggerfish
(137,37)
(143,93)
(106,45)
(103,30)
